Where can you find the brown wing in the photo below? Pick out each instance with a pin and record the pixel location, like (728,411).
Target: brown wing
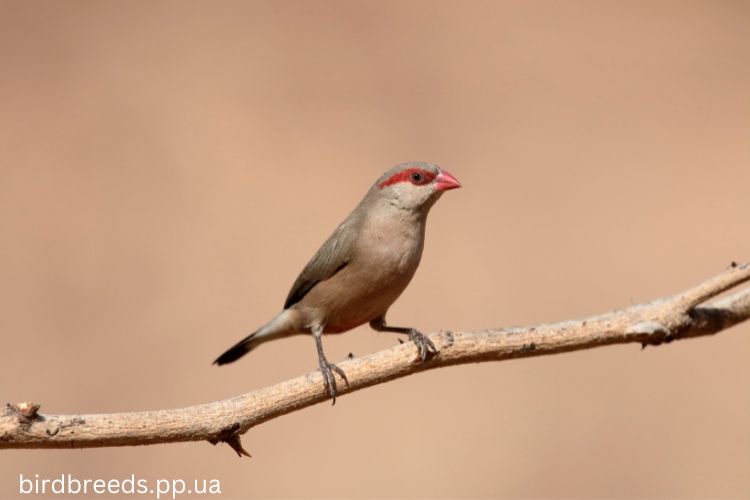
(333,256)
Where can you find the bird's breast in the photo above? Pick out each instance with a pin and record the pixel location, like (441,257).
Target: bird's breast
(392,246)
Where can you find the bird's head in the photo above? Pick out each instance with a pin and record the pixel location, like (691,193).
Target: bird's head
(414,186)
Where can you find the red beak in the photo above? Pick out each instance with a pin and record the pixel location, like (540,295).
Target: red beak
(445,181)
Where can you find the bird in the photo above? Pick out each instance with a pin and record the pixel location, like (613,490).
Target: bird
(361,269)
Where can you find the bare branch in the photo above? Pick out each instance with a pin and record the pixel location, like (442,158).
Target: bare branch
(660,321)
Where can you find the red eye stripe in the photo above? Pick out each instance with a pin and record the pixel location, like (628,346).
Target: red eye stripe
(405,176)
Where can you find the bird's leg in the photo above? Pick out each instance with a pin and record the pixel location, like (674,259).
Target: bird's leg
(326,368)
(425,347)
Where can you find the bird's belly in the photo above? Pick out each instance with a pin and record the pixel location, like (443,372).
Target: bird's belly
(363,304)
(352,297)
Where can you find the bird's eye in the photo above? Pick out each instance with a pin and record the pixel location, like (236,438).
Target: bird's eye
(416,177)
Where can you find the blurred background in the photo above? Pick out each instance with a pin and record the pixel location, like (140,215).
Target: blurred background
(168,168)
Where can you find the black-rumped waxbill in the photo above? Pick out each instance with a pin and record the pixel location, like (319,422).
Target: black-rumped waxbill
(362,268)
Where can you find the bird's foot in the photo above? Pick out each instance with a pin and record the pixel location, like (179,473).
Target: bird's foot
(329,380)
(425,347)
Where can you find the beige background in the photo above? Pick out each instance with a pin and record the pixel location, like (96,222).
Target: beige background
(166,170)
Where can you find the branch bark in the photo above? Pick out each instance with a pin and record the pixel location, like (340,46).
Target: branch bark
(661,321)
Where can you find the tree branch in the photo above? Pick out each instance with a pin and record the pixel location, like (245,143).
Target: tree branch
(661,321)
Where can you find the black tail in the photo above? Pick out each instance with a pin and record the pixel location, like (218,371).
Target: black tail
(236,352)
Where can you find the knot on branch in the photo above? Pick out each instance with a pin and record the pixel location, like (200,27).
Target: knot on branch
(25,413)
(231,436)
(651,333)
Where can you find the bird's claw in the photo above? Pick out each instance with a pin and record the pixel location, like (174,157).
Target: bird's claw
(329,380)
(425,347)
